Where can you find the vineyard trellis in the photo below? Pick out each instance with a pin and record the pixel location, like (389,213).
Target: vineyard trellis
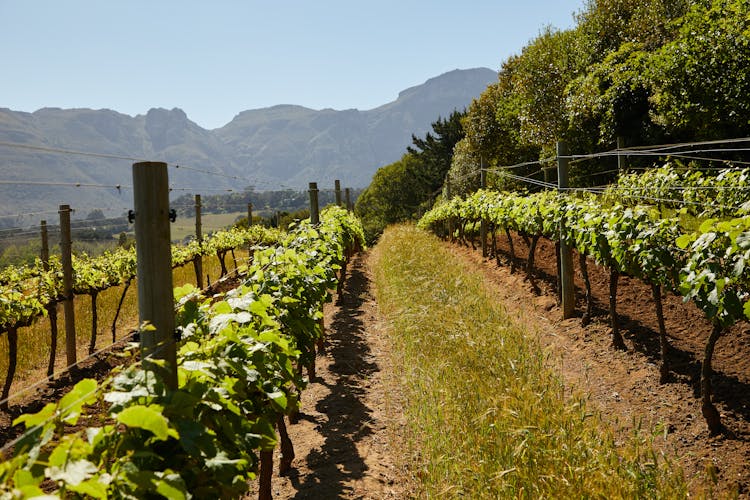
(239,373)
(614,226)
(272,322)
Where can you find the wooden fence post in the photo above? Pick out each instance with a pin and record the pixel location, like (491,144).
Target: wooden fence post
(198,262)
(337,191)
(52,307)
(66,258)
(566,253)
(44,255)
(314,210)
(448,196)
(154,254)
(348,197)
(249,225)
(620,157)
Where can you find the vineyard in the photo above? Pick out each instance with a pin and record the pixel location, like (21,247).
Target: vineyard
(29,292)
(240,361)
(705,265)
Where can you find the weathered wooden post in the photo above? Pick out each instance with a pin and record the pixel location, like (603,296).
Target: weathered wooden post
(448,196)
(44,254)
(66,258)
(483,223)
(153,250)
(198,262)
(620,157)
(348,197)
(314,210)
(566,253)
(337,191)
(249,225)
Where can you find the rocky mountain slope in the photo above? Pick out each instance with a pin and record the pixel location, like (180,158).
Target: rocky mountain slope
(280,146)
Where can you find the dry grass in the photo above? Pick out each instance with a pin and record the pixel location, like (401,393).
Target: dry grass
(185,226)
(488,417)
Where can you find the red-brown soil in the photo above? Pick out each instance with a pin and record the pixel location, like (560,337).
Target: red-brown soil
(350,421)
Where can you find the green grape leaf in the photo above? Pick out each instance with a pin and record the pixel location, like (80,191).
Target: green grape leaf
(684,241)
(91,487)
(33,419)
(143,417)
(171,486)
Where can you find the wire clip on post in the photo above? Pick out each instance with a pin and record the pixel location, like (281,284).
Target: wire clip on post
(172,215)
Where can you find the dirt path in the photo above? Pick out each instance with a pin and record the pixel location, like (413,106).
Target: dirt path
(347,440)
(350,413)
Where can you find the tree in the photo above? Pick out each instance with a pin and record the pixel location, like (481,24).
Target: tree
(613,99)
(436,150)
(399,191)
(539,77)
(394,195)
(606,25)
(464,172)
(702,78)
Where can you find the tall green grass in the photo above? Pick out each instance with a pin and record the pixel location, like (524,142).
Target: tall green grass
(487,417)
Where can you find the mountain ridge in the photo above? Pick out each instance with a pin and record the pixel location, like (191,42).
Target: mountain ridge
(285,145)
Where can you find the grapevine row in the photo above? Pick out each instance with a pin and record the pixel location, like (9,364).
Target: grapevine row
(720,194)
(27,292)
(239,374)
(706,266)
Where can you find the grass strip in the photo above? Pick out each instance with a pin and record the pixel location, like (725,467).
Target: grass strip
(488,418)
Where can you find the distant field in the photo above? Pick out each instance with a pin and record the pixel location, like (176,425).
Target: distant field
(185,226)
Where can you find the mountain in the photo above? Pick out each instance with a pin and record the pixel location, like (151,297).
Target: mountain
(283,145)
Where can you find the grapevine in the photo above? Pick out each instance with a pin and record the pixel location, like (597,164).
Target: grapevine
(237,376)
(706,266)
(27,291)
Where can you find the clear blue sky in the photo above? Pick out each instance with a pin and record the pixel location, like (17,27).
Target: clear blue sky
(214,59)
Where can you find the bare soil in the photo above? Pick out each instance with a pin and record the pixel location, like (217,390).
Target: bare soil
(350,419)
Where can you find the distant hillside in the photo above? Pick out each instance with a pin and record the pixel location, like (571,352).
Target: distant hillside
(282,145)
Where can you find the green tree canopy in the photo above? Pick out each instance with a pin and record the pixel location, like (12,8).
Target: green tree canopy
(606,25)
(394,195)
(436,150)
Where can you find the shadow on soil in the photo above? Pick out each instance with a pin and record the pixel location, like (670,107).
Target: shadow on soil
(348,417)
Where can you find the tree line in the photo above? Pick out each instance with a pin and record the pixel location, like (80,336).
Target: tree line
(644,71)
